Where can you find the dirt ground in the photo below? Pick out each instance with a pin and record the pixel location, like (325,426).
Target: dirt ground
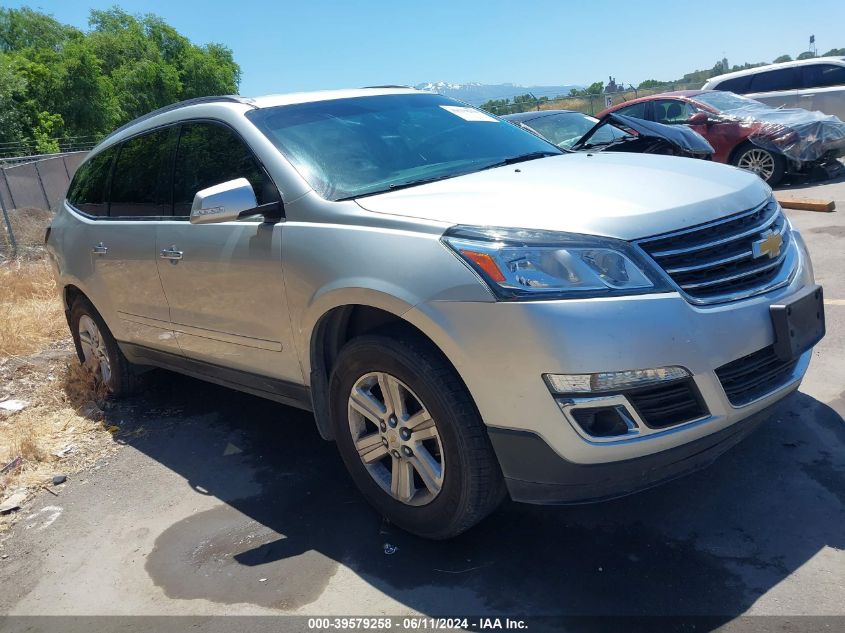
(221,503)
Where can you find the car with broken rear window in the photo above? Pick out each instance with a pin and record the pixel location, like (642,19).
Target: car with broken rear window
(469,312)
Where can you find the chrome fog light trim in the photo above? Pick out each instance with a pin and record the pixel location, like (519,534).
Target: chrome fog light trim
(613,380)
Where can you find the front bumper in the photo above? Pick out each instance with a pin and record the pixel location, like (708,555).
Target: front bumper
(502,349)
(534,473)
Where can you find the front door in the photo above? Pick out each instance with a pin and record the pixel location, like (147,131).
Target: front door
(224,282)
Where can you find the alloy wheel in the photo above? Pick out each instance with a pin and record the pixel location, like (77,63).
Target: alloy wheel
(94,349)
(758,161)
(396,438)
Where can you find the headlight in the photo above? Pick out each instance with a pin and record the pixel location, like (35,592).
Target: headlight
(526,264)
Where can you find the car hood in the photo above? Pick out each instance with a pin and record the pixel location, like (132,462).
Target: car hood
(680,136)
(626,196)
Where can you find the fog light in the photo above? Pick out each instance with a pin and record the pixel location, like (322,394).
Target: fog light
(613,380)
(603,422)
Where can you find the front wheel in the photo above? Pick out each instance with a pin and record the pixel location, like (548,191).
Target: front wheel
(411,437)
(768,165)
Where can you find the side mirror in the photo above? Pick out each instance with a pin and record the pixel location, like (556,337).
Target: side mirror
(223,203)
(699,118)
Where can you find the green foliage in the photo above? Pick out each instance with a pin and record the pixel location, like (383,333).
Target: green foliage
(46,131)
(649,83)
(806,55)
(595,88)
(58,81)
(781,59)
(835,52)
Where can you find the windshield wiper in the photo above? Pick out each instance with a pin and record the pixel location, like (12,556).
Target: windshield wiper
(521,159)
(400,185)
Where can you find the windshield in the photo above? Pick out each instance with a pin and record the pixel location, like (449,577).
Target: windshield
(567,128)
(346,148)
(727,101)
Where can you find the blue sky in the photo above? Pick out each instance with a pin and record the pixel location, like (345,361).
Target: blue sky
(289,46)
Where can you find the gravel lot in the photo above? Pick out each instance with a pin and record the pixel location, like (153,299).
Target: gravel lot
(221,503)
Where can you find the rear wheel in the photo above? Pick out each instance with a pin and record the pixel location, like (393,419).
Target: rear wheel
(411,437)
(98,350)
(768,165)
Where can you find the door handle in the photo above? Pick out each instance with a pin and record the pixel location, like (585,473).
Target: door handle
(810,95)
(100,249)
(171,253)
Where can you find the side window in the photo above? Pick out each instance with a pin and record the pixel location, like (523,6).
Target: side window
(739,85)
(636,110)
(774,80)
(89,187)
(823,75)
(210,154)
(141,182)
(672,111)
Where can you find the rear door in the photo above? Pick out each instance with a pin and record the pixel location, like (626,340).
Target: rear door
(776,88)
(824,88)
(226,290)
(125,285)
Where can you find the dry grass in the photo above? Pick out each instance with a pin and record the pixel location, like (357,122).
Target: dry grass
(61,430)
(31,315)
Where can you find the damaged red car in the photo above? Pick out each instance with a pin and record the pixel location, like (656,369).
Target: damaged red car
(751,135)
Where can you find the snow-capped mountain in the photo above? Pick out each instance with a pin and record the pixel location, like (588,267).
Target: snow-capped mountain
(477,93)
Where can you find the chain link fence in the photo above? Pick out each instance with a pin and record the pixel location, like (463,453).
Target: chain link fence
(587,103)
(30,193)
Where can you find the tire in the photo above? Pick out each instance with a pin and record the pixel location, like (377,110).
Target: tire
(100,351)
(470,483)
(768,165)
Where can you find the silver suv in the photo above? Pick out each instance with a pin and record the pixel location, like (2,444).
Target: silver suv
(468,310)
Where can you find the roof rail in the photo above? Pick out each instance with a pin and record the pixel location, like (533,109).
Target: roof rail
(181,104)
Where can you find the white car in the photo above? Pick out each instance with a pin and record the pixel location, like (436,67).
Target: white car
(812,84)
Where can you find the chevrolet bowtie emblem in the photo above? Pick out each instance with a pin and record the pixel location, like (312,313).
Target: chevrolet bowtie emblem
(769,245)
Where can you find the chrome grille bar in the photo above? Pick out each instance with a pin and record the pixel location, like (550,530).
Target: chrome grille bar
(714,262)
(726,240)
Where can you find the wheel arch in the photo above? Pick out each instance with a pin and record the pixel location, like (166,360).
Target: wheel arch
(333,330)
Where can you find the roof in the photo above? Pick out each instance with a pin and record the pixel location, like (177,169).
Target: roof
(685,94)
(535,114)
(758,69)
(270,101)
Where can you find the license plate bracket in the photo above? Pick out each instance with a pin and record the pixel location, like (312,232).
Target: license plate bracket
(798,324)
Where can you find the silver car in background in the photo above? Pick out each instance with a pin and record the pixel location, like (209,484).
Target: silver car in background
(468,310)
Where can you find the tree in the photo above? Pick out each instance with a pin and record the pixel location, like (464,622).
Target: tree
(57,80)
(782,58)
(649,83)
(595,88)
(806,55)
(835,52)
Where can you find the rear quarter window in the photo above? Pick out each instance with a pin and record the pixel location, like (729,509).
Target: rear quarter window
(739,85)
(88,191)
(636,110)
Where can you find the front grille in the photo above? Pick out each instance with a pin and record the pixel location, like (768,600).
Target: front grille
(754,376)
(667,404)
(715,261)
